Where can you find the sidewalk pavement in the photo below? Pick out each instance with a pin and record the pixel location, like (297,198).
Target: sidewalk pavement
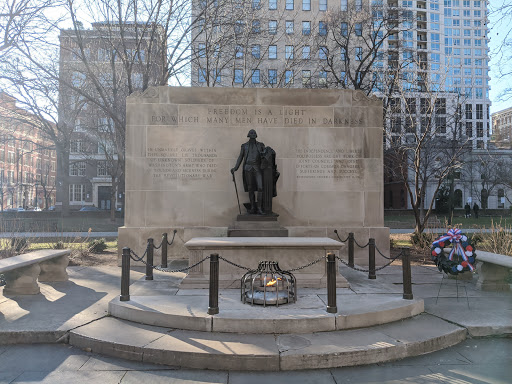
(63,306)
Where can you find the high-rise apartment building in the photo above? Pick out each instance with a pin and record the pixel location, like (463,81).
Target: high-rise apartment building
(428,59)
(27,160)
(99,68)
(434,46)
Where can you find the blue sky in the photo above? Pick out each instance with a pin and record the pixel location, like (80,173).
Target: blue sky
(497,34)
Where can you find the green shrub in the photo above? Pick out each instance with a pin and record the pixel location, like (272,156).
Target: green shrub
(97,246)
(58,245)
(422,240)
(19,244)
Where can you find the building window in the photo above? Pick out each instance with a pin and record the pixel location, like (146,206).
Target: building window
(306,52)
(255,78)
(359,53)
(322,79)
(256,4)
(289,27)
(256,26)
(78,126)
(469,111)
(77,169)
(344,29)
(255,51)
(201,75)
(272,52)
(343,55)
(306,28)
(76,192)
(105,124)
(239,76)
(322,53)
(289,52)
(11,158)
(344,5)
(358,29)
(306,5)
(272,27)
(322,28)
(201,50)
(272,4)
(359,5)
(76,146)
(479,129)
(102,169)
(501,198)
(272,76)
(469,129)
(289,5)
(239,52)
(306,78)
(322,5)
(479,111)
(288,77)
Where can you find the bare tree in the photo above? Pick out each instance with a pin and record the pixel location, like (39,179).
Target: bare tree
(425,141)
(244,44)
(349,46)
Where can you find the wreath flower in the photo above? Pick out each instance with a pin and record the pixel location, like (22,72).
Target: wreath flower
(461,256)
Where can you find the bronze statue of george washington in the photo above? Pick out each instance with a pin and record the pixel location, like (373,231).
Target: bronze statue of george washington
(259,174)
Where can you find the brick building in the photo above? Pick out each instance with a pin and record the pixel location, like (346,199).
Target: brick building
(27,160)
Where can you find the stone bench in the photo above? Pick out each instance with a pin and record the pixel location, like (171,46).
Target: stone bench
(22,272)
(493,270)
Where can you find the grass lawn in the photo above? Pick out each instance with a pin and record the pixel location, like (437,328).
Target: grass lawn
(460,221)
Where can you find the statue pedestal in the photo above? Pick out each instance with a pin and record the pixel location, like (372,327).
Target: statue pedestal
(257,226)
(289,252)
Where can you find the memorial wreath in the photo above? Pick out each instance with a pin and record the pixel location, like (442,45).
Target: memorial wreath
(461,256)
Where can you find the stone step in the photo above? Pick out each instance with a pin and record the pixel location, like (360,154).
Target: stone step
(188,310)
(265,352)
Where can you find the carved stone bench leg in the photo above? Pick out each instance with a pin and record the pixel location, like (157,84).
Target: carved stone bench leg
(492,277)
(54,269)
(22,281)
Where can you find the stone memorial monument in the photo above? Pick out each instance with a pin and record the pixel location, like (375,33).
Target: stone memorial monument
(181,144)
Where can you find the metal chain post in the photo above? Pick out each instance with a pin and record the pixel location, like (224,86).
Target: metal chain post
(164,250)
(213,304)
(331,283)
(371,259)
(125,275)
(406,274)
(149,265)
(351,249)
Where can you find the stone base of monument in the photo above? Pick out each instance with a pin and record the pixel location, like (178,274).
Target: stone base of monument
(175,330)
(238,253)
(257,226)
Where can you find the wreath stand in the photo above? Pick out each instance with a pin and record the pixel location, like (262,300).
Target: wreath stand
(460,258)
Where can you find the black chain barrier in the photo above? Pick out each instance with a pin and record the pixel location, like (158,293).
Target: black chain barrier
(156,267)
(173,234)
(235,264)
(361,246)
(307,265)
(376,269)
(343,241)
(136,257)
(160,246)
(380,253)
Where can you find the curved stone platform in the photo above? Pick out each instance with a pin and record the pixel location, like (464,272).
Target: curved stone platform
(187,310)
(266,352)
